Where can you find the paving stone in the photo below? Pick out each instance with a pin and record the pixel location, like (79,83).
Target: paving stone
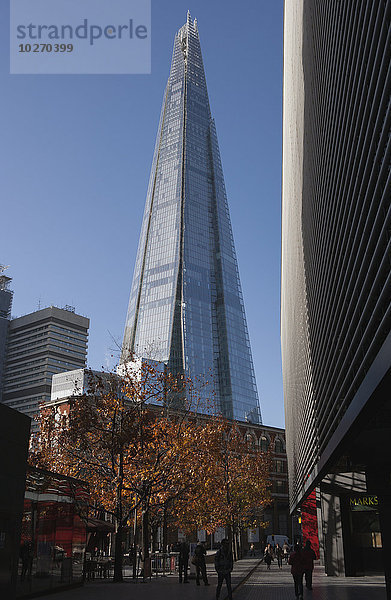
(261,585)
(277,584)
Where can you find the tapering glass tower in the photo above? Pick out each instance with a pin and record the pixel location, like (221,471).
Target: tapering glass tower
(186,306)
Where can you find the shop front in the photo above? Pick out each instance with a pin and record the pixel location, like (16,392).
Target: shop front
(362,535)
(53,537)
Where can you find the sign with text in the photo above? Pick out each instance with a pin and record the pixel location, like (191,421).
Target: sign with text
(61,37)
(363,503)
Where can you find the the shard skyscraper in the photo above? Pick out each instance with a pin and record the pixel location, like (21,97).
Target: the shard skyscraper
(186,306)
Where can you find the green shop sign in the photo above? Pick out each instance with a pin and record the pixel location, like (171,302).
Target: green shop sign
(363,503)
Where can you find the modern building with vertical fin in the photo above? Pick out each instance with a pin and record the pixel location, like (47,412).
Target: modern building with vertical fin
(186,307)
(336,276)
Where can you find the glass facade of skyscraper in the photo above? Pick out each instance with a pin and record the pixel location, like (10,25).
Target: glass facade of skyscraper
(186,306)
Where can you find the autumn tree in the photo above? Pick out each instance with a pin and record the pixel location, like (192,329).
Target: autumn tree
(231,483)
(139,443)
(129,438)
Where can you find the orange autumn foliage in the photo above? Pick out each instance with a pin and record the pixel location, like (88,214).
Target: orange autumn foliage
(138,442)
(231,484)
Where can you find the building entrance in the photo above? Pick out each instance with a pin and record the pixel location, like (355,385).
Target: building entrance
(362,537)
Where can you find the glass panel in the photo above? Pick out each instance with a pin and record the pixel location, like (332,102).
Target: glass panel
(53,535)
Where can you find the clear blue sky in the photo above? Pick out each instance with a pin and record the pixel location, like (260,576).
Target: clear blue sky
(75,157)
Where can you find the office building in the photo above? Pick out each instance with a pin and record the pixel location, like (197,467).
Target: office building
(5,315)
(186,307)
(82,381)
(45,342)
(69,383)
(336,280)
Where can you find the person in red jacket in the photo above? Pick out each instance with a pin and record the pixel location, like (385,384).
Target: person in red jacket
(297,570)
(308,559)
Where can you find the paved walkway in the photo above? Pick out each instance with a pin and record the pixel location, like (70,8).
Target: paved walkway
(260,585)
(278,585)
(162,588)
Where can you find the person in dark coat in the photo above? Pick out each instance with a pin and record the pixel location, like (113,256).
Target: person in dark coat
(224,563)
(308,559)
(297,570)
(183,561)
(268,556)
(200,564)
(286,551)
(26,554)
(279,554)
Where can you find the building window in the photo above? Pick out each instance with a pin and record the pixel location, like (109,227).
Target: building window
(250,441)
(280,487)
(278,446)
(264,443)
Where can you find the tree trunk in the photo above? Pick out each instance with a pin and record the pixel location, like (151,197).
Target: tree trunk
(145,536)
(237,543)
(164,529)
(118,556)
(233,539)
(154,534)
(235,547)
(240,542)
(145,544)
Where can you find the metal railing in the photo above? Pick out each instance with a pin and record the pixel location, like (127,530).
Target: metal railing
(163,563)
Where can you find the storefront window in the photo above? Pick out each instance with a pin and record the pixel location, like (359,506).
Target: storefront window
(53,535)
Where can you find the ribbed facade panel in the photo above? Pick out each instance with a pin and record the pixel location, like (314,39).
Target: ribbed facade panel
(336,214)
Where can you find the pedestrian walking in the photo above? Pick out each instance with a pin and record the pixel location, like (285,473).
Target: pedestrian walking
(27,555)
(285,549)
(297,570)
(224,563)
(183,561)
(279,554)
(269,548)
(199,561)
(308,560)
(268,556)
(252,550)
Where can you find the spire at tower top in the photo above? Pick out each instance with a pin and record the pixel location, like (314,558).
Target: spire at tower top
(184,31)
